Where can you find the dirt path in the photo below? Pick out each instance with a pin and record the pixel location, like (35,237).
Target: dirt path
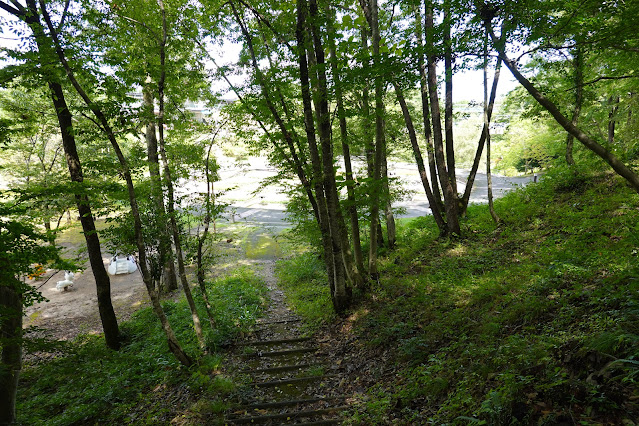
(288,378)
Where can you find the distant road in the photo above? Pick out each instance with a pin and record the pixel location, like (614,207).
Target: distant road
(275,216)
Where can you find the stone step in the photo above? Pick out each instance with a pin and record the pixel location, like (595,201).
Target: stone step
(288,403)
(286,416)
(274,383)
(273,342)
(281,368)
(282,321)
(281,353)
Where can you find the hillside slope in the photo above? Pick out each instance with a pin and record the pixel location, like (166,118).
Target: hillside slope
(532,321)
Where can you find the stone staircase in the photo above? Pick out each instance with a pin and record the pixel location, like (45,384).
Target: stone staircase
(288,381)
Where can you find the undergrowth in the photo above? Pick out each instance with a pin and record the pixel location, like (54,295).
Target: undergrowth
(86,383)
(532,321)
(303,279)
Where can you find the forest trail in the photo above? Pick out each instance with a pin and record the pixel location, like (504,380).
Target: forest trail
(287,378)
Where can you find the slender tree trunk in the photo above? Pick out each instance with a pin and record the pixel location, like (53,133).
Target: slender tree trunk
(297,164)
(391,231)
(329,257)
(173,343)
(578,65)
(369,138)
(102,281)
(169,278)
(448,109)
(434,205)
(197,325)
(201,273)
(340,246)
(370,10)
(617,165)
(480,145)
(450,196)
(358,267)
(612,119)
(489,178)
(428,134)
(10,350)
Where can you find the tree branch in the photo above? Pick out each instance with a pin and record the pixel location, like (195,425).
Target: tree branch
(262,19)
(64,14)
(17,11)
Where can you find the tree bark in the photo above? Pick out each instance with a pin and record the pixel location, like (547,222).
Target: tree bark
(177,238)
(579,134)
(102,281)
(434,205)
(578,65)
(339,241)
(480,145)
(332,265)
(391,229)
(450,196)
(210,197)
(612,119)
(428,133)
(489,178)
(448,106)
(10,351)
(173,343)
(298,165)
(369,138)
(371,12)
(169,278)
(358,267)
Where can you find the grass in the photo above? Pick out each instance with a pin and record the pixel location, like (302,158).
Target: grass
(303,279)
(532,321)
(143,383)
(535,320)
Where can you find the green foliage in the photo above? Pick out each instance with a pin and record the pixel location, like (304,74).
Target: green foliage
(24,247)
(88,383)
(534,321)
(303,278)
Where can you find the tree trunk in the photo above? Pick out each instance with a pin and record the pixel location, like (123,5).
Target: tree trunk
(450,196)
(298,164)
(102,281)
(579,134)
(197,325)
(350,182)
(174,345)
(340,246)
(369,139)
(201,274)
(391,232)
(169,278)
(371,12)
(448,107)
(480,145)
(612,119)
(10,350)
(428,134)
(434,205)
(489,178)
(578,65)
(332,264)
